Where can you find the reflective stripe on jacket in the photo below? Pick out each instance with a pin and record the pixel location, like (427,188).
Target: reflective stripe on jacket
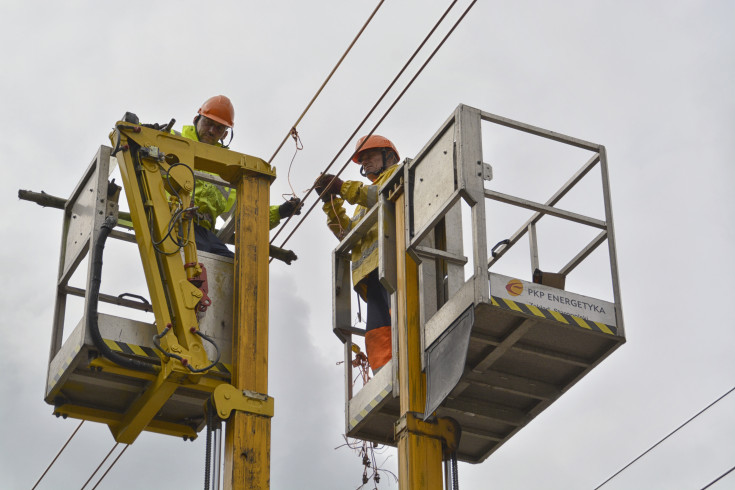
(212,200)
(365,252)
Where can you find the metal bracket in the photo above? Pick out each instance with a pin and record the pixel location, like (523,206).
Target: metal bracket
(227,398)
(487,172)
(445,429)
(396,190)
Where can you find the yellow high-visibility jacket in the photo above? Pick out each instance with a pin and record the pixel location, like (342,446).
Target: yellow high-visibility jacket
(212,200)
(365,252)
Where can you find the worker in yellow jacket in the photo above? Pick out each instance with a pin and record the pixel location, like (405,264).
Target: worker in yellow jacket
(213,121)
(378,158)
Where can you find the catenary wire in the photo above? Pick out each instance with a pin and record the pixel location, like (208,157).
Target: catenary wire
(59,453)
(362,123)
(719,478)
(667,436)
(383,117)
(308,106)
(99,466)
(111,466)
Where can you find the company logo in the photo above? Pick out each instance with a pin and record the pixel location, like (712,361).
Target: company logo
(514,287)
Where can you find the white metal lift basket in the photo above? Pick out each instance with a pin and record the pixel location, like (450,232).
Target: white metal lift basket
(80,383)
(497,350)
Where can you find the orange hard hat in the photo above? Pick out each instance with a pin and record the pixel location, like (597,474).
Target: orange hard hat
(374,141)
(219,109)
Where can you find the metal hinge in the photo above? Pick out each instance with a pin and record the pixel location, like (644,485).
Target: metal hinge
(445,429)
(227,398)
(485,170)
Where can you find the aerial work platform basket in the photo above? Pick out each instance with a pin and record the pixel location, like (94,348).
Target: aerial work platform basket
(81,383)
(496,349)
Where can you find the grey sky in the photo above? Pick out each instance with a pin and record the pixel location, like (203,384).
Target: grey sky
(652,81)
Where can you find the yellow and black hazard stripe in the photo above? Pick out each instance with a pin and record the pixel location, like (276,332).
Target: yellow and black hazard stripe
(557,316)
(56,375)
(371,405)
(147,352)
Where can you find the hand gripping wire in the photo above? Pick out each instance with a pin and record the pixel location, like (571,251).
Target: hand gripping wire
(397,99)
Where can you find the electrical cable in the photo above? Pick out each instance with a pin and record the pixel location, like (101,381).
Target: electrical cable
(157,344)
(455,471)
(719,478)
(90,313)
(99,466)
(308,106)
(176,217)
(58,454)
(208,452)
(364,120)
(111,466)
(669,435)
(431,56)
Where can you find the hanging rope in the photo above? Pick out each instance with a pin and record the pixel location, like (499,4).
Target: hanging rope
(365,450)
(299,146)
(398,98)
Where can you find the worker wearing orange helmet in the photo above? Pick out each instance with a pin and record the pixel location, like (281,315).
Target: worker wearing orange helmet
(377,157)
(214,119)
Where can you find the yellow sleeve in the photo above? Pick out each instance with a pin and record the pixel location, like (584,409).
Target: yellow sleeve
(337,219)
(274,216)
(355,192)
(230,199)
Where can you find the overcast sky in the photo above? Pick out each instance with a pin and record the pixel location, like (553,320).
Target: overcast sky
(652,81)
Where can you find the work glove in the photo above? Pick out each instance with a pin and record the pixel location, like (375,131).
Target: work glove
(327,185)
(291,207)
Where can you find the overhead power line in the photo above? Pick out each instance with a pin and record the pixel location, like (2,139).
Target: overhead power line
(719,478)
(308,106)
(398,98)
(99,466)
(362,123)
(59,453)
(111,466)
(667,436)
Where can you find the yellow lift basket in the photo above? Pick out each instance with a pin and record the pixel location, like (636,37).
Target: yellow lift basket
(168,398)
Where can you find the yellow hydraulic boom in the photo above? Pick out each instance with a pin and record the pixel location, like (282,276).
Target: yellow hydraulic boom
(135,376)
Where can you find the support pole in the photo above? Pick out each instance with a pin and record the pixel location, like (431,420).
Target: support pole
(419,455)
(247,437)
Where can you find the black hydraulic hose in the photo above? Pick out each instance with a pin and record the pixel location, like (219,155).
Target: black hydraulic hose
(94,293)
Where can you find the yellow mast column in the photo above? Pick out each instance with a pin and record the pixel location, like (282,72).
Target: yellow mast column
(247,436)
(419,454)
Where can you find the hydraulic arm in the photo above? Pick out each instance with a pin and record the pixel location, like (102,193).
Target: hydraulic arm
(158,176)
